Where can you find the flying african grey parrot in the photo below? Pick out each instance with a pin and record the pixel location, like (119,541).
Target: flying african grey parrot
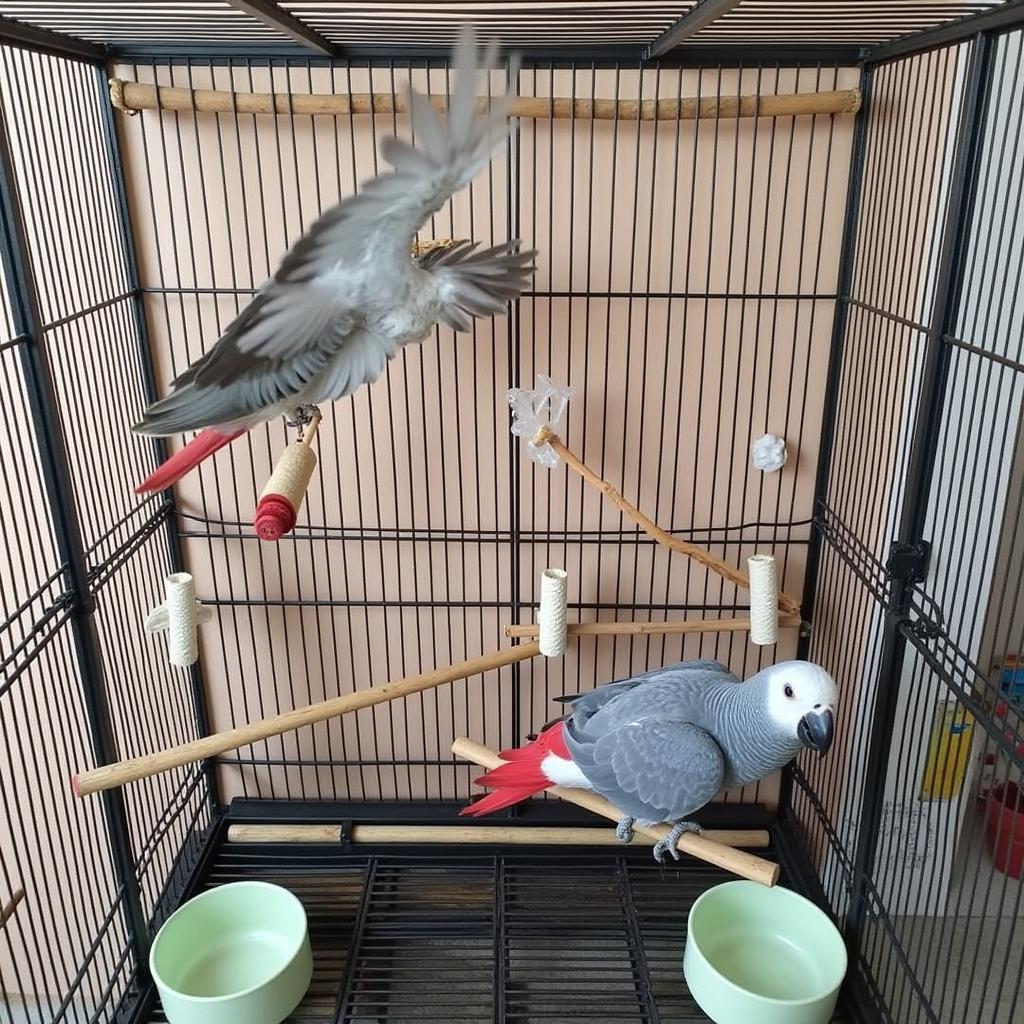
(349,295)
(659,746)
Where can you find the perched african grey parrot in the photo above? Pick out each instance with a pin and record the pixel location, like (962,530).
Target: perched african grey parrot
(659,746)
(349,294)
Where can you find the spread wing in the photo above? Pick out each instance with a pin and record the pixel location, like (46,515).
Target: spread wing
(310,310)
(654,770)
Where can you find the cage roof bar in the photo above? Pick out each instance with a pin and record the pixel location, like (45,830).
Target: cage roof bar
(271,14)
(601,56)
(17,33)
(1007,16)
(700,16)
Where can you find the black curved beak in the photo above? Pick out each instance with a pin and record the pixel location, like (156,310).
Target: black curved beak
(815,730)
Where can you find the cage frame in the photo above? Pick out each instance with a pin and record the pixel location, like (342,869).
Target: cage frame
(905,624)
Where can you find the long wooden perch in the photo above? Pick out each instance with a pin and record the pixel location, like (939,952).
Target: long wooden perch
(746,865)
(650,628)
(110,775)
(135,96)
(547,436)
(750,839)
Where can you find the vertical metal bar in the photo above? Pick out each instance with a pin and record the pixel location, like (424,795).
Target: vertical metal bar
(948,284)
(834,378)
(500,953)
(514,327)
(830,408)
(53,457)
(174,550)
(647,1003)
(925,435)
(346,989)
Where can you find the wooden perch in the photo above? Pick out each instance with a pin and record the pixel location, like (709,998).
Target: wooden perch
(110,775)
(746,865)
(651,628)
(134,96)
(8,909)
(753,838)
(547,436)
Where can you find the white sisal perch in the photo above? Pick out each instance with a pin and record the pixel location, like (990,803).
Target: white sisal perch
(278,508)
(551,628)
(764,607)
(179,615)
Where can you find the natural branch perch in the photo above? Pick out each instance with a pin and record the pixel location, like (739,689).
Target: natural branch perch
(134,96)
(547,436)
(109,775)
(651,628)
(753,838)
(746,865)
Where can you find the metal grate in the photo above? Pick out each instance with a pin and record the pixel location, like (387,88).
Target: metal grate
(523,23)
(556,26)
(777,22)
(198,21)
(464,938)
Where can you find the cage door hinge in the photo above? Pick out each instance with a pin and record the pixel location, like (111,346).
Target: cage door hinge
(909,562)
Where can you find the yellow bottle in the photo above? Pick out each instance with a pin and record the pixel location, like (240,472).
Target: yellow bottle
(948,752)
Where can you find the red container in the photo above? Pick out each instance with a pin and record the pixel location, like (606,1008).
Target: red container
(1004,828)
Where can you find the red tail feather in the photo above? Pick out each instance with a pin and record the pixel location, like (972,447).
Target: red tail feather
(201,447)
(521,775)
(495,801)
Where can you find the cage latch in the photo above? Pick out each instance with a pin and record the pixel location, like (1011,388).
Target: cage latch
(345,834)
(909,562)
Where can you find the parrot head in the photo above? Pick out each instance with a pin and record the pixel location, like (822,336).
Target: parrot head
(801,702)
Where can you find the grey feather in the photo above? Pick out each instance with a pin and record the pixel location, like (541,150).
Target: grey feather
(347,295)
(654,770)
(662,744)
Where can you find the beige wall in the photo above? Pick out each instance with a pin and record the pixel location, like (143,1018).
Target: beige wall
(670,393)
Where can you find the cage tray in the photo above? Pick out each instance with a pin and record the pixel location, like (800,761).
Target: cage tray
(460,936)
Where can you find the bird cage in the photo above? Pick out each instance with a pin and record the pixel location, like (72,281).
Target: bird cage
(779,254)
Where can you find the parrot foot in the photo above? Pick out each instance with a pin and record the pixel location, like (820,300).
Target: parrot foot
(302,416)
(624,830)
(668,844)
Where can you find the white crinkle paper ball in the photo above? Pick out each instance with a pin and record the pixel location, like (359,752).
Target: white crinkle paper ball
(768,453)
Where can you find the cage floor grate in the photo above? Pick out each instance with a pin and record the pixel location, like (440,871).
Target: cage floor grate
(463,938)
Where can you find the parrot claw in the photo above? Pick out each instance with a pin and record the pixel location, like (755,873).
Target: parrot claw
(668,844)
(302,416)
(624,830)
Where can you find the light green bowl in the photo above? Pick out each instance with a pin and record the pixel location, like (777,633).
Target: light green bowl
(237,954)
(764,955)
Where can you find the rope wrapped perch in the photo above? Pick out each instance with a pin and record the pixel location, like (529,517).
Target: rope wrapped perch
(764,608)
(179,616)
(278,508)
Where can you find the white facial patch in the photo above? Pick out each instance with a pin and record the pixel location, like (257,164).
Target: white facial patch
(811,689)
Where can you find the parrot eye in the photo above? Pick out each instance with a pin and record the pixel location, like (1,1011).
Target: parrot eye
(788,691)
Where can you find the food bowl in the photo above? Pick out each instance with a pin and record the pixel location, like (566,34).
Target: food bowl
(764,955)
(237,954)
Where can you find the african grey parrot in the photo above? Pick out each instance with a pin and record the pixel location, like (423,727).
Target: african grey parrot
(659,746)
(349,295)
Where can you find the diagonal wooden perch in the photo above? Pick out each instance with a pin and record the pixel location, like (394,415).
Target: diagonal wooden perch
(547,436)
(108,776)
(746,865)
